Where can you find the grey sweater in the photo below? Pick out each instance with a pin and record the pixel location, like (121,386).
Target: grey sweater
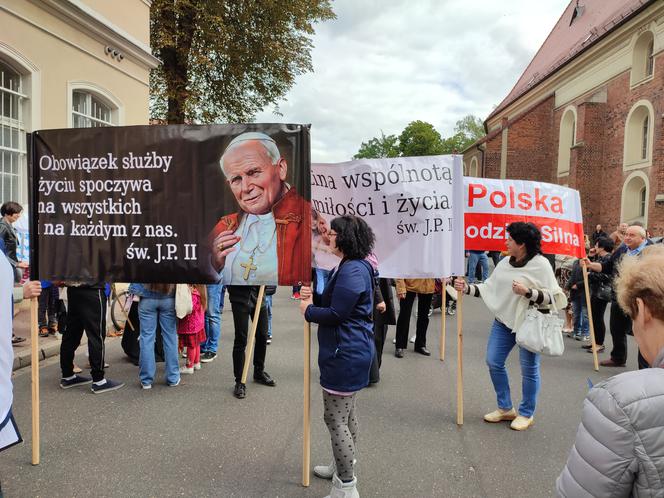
(619,446)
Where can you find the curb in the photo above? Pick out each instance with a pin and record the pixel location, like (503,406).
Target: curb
(24,358)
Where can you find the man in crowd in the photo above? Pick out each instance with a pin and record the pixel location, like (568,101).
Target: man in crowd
(243,303)
(620,324)
(268,240)
(597,234)
(86,311)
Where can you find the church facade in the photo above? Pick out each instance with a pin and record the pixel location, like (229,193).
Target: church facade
(588,113)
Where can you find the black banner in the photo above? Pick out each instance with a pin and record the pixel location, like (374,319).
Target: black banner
(152,204)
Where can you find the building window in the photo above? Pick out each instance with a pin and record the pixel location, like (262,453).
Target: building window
(12,133)
(635,199)
(474,167)
(566,140)
(644,138)
(643,62)
(650,59)
(639,136)
(89,111)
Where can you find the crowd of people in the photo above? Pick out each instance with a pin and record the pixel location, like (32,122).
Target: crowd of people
(353,308)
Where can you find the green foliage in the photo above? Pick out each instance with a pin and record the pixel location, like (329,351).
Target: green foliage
(225,60)
(420,139)
(385,146)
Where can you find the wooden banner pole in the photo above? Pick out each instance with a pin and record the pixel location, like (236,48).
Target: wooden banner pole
(34,338)
(590,317)
(252,335)
(443,321)
(459,316)
(306,430)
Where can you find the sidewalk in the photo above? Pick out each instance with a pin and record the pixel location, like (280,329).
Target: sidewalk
(48,346)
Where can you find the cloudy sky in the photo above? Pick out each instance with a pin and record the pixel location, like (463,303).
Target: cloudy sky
(384,63)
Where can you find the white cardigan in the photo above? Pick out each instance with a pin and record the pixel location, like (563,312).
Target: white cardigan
(510,308)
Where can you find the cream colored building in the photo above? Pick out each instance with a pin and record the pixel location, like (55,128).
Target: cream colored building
(68,63)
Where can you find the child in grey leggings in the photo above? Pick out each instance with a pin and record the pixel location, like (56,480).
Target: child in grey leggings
(340,419)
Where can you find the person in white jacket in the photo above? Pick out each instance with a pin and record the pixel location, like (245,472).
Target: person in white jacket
(9,434)
(525,277)
(619,446)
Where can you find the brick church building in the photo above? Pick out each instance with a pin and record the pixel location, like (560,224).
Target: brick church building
(588,113)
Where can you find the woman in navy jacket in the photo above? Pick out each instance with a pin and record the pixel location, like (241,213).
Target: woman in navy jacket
(345,341)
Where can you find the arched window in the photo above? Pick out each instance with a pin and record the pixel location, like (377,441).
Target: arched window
(474,167)
(12,133)
(635,199)
(566,140)
(644,138)
(90,111)
(643,63)
(639,136)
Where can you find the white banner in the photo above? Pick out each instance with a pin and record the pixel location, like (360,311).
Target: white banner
(413,204)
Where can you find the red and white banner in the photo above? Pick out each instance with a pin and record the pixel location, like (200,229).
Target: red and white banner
(491,205)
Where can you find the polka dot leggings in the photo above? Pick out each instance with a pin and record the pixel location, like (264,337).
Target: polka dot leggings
(339,416)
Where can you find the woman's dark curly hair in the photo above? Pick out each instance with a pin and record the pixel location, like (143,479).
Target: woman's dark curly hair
(528,234)
(355,239)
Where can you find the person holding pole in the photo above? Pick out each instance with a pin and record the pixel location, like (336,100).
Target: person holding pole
(346,346)
(619,322)
(525,278)
(244,301)
(9,434)
(618,446)
(600,288)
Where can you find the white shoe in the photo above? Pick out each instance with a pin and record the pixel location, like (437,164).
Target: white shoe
(185,370)
(394,341)
(197,366)
(342,489)
(325,471)
(412,340)
(521,423)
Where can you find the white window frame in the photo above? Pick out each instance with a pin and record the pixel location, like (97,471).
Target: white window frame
(30,91)
(627,200)
(564,144)
(633,137)
(106,97)
(641,64)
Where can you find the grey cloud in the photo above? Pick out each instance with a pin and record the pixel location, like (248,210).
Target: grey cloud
(382,64)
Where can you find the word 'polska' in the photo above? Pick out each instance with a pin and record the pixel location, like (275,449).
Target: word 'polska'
(151,160)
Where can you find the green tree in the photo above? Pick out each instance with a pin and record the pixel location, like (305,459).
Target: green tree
(377,147)
(467,131)
(228,59)
(420,139)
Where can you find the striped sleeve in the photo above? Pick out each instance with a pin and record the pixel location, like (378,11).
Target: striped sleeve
(539,297)
(473,290)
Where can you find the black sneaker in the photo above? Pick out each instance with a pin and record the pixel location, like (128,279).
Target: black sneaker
(240,391)
(208,356)
(109,385)
(78,380)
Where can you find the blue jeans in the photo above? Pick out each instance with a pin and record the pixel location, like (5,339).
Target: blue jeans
(215,304)
(501,342)
(475,257)
(268,306)
(149,311)
(580,313)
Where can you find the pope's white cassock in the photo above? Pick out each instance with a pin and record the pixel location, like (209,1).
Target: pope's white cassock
(9,434)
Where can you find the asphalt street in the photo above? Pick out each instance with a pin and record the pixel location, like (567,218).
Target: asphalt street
(198,440)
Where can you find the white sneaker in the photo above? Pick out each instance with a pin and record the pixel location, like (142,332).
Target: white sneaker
(394,341)
(325,471)
(342,489)
(197,366)
(185,370)
(412,340)
(146,386)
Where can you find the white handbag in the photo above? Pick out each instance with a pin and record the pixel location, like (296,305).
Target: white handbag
(542,332)
(184,304)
